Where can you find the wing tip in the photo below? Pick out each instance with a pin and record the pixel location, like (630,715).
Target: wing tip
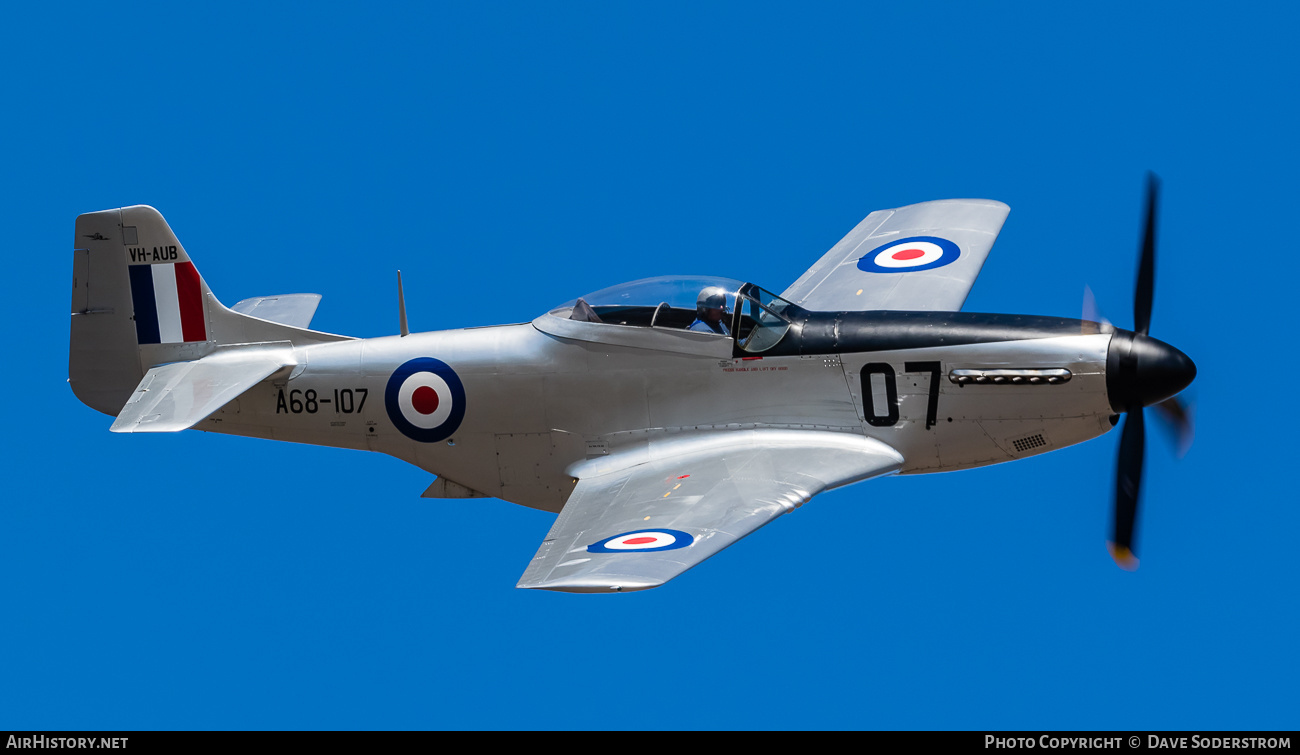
(973,201)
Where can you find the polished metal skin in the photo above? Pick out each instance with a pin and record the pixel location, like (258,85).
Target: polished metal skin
(658,446)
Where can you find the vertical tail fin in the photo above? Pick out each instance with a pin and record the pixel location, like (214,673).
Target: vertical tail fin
(139,301)
(166,289)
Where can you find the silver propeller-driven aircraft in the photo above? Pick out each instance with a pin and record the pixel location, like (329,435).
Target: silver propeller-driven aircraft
(662,419)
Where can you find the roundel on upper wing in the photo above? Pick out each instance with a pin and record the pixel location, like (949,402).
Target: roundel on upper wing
(425,400)
(641,541)
(909,255)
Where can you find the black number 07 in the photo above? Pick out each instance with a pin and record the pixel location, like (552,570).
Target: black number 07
(890,415)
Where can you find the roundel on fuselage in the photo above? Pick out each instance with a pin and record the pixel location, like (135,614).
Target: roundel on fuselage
(425,400)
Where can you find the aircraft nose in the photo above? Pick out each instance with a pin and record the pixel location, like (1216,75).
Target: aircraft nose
(1141,371)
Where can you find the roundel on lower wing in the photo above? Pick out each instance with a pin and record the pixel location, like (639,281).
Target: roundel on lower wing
(425,400)
(910,255)
(641,541)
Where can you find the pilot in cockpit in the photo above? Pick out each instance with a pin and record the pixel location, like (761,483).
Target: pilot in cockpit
(710,311)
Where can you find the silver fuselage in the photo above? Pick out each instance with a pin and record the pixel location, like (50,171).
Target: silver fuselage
(541,397)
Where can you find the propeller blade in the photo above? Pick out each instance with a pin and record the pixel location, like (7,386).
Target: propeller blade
(1128,488)
(1178,417)
(1092,315)
(1146,282)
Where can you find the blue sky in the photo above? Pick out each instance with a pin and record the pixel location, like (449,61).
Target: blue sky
(511,156)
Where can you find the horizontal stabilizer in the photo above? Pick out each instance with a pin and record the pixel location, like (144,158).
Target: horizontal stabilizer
(295,310)
(176,396)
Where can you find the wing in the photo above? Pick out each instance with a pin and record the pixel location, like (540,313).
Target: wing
(638,519)
(175,396)
(921,257)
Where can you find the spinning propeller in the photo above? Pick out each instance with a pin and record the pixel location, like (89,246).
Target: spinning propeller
(1142,371)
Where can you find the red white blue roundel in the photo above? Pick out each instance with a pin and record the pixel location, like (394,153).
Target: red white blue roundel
(910,255)
(641,541)
(425,400)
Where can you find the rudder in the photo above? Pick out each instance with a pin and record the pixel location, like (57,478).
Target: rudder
(103,359)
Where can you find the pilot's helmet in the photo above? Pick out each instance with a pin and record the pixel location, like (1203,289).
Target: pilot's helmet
(713,297)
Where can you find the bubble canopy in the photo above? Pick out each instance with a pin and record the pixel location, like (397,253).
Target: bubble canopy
(616,303)
(669,302)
